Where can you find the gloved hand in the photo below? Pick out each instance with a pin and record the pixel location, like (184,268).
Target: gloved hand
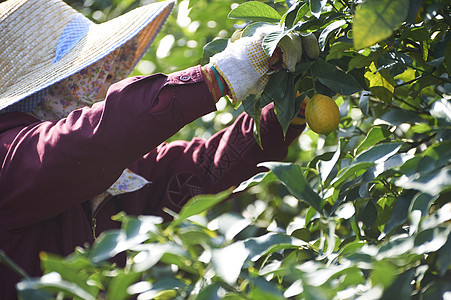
(245,66)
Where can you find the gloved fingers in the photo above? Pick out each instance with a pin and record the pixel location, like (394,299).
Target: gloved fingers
(310,45)
(291,46)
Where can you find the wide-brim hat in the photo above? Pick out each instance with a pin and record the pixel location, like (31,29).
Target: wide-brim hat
(44,41)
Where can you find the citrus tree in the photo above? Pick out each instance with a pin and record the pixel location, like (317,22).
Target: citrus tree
(363,212)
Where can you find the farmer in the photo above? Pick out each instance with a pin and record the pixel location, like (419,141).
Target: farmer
(74,150)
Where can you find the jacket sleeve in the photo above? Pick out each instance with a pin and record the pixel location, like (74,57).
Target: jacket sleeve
(51,166)
(182,169)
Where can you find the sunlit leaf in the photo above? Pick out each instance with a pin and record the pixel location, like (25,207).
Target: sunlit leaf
(230,224)
(150,254)
(431,239)
(375,20)
(381,83)
(432,183)
(316,6)
(51,283)
(327,31)
(111,243)
(120,284)
(442,110)
(255,11)
(352,170)
(422,202)
(228,261)
(200,203)
(384,273)
(256,179)
(270,242)
(378,153)
(291,175)
(401,287)
(374,136)
(302,11)
(69,269)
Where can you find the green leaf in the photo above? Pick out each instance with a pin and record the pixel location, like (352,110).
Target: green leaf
(380,83)
(400,211)
(302,11)
(431,239)
(271,41)
(200,203)
(395,247)
(401,288)
(70,269)
(431,183)
(384,273)
(323,37)
(375,135)
(262,289)
(52,283)
(263,177)
(255,11)
(397,117)
(292,177)
(164,288)
(338,50)
(361,61)
(287,107)
(349,171)
(441,110)
(228,261)
(213,47)
(369,214)
(378,153)
(210,292)
(270,243)
(316,7)
(291,15)
(422,202)
(151,253)
(252,106)
(334,78)
(230,224)
(435,157)
(375,20)
(444,257)
(119,284)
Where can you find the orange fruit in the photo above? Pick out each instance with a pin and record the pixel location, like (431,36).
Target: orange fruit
(322,114)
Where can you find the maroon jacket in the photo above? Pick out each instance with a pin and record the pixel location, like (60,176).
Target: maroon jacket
(51,169)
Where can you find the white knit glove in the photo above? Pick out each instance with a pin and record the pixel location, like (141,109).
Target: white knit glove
(244,64)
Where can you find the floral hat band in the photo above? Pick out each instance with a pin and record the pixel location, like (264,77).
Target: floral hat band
(45,41)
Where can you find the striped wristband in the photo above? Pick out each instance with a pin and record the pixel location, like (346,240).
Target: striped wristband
(218,80)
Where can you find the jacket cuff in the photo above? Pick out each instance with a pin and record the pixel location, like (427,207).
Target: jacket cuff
(193,106)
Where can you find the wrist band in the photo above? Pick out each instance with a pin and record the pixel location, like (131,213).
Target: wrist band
(218,79)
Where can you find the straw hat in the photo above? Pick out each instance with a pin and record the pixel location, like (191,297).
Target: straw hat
(45,41)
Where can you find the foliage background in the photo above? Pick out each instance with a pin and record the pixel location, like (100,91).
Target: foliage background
(361,213)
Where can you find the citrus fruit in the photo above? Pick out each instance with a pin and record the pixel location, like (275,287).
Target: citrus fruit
(322,114)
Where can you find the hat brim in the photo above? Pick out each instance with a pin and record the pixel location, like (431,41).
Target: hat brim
(100,40)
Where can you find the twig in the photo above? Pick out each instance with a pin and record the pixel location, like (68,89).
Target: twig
(12,265)
(418,109)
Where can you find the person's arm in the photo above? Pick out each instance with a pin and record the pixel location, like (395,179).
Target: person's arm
(50,166)
(182,169)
